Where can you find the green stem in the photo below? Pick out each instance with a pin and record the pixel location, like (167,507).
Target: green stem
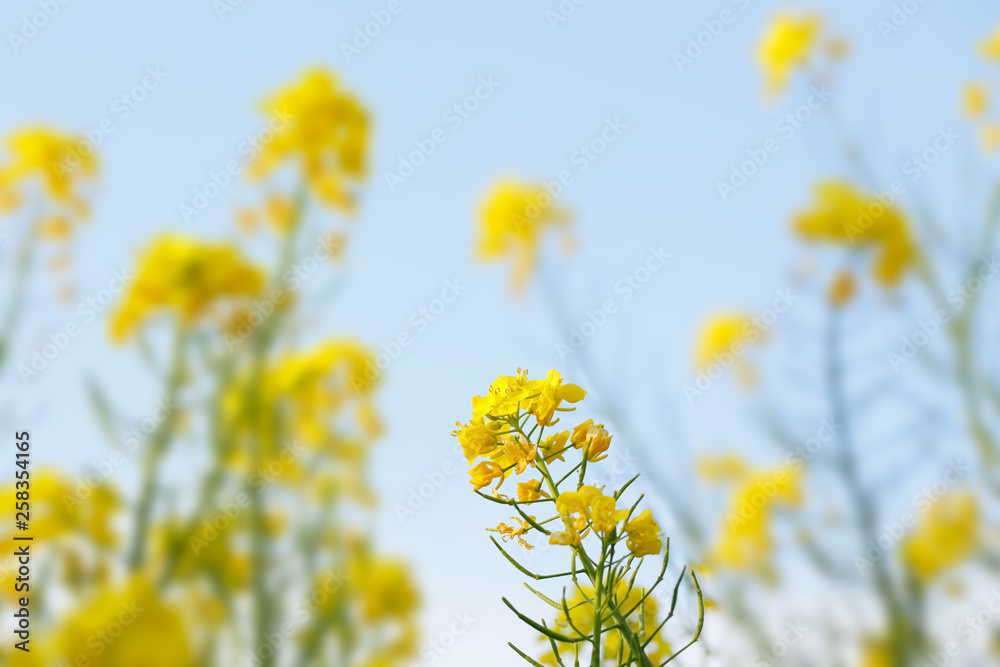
(159,442)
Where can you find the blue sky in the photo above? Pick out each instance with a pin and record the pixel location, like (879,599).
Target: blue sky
(558,85)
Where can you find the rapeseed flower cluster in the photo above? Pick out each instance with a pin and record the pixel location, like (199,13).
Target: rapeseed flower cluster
(607,541)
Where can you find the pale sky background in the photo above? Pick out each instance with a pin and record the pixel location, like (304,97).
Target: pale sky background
(654,186)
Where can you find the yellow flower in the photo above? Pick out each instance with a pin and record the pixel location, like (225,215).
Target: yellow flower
(589,503)
(322,126)
(505,396)
(724,334)
(280,212)
(580,431)
(313,395)
(56,227)
(577,502)
(722,467)
(516,454)
(842,289)
(58,159)
(876,653)
(10,200)
(787,44)
(531,490)
(484,473)
(554,445)
(151,633)
(59,509)
(510,533)
(512,219)
(478,437)
(643,535)
(387,586)
(990,47)
(511,393)
(990,137)
(844,215)
(975,100)
(603,515)
(594,437)
(187,276)
(565,538)
(947,535)
(745,542)
(553,393)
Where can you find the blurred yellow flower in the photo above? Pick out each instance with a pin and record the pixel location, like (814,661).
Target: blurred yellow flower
(387,587)
(842,289)
(788,43)
(990,47)
(876,653)
(64,507)
(126,627)
(56,227)
(325,128)
(990,137)
(723,467)
(975,100)
(59,160)
(843,215)
(580,621)
(308,389)
(279,211)
(512,219)
(745,542)
(947,535)
(187,275)
(724,335)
